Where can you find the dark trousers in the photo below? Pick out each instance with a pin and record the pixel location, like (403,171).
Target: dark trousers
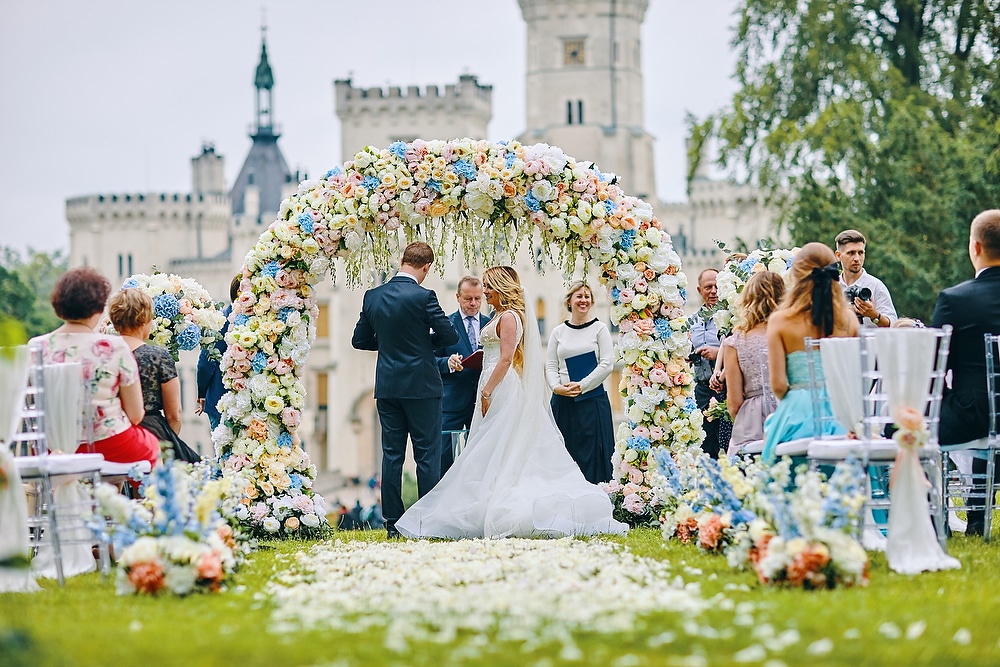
(452,420)
(702,395)
(420,419)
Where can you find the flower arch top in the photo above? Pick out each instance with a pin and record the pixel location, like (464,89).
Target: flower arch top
(482,199)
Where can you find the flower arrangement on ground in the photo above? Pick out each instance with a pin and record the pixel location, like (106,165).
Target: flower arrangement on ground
(175,538)
(184,315)
(734,275)
(803,533)
(483,199)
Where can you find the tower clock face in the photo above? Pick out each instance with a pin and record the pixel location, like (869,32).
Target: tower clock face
(573,53)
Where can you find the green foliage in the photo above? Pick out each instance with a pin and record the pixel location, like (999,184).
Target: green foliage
(85,623)
(26,285)
(877,115)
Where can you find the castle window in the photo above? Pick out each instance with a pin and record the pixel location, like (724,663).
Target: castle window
(130,264)
(540,315)
(569,113)
(573,53)
(323,321)
(579,112)
(121,266)
(574,115)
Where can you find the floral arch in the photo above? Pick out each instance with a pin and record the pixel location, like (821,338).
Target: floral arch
(481,199)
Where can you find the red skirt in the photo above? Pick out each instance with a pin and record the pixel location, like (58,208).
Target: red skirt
(133,444)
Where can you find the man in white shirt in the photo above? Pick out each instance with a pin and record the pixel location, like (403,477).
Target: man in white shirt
(871,301)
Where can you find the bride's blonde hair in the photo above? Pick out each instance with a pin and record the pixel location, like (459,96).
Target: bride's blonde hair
(504,281)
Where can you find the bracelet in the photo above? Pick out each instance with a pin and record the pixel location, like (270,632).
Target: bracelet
(485,395)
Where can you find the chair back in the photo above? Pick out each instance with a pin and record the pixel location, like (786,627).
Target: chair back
(993,383)
(819,399)
(770,400)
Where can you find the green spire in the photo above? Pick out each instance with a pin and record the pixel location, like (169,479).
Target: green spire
(263,80)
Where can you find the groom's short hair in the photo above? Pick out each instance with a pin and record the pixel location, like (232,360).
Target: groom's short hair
(418,255)
(986,230)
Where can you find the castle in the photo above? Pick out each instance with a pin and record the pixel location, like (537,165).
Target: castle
(584,93)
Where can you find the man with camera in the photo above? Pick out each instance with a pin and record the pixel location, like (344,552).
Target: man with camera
(866,293)
(705,350)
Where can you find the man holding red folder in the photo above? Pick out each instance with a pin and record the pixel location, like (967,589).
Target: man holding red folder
(461,381)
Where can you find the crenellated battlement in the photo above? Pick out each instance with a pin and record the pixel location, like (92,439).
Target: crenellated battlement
(467,92)
(147,205)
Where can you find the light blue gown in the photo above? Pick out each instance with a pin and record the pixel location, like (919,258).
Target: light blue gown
(793,419)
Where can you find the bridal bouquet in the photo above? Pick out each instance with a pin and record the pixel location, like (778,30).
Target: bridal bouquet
(184,315)
(734,275)
(176,538)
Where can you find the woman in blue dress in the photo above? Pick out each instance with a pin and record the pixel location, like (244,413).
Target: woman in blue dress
(814,307)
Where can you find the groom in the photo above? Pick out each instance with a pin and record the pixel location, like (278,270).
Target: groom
(404,323)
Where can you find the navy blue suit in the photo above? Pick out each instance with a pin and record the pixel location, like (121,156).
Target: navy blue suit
(404,323)
(460,388)
(210,385)
(972,309)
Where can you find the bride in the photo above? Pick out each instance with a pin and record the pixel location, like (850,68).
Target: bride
(515,477)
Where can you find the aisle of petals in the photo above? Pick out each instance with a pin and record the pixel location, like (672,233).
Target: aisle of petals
(513,589)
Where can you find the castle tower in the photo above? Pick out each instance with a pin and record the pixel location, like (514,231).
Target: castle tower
(264,178)
(584,85)
(376,117)
(208,172)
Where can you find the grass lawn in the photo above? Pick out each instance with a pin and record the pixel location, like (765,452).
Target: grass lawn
(85,623)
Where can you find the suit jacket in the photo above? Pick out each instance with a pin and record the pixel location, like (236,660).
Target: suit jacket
(459,388)
(972,309)
(404,323)
(210,385)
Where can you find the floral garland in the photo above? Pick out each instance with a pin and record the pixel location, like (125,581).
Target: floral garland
(736,273)
(185,317)
(177,537)
(483,199)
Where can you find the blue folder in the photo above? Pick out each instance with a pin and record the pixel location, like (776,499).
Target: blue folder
(579,367)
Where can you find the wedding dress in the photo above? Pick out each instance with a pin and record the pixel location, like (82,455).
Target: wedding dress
(514,478)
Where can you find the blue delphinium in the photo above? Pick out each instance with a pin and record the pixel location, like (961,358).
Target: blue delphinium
(684,294)
(690,405)
(398,148)
(615,293)
(511,158)
(434,185)
(611,206)
(627,239)
(190,337)
(270,269)
(259,361)
(532,202)
(336,171)
(465,168)
(668,469)
(370,183)
(305,221)
(165,305)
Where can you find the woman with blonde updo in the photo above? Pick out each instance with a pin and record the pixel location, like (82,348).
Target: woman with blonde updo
(131,313)
(514,478)
(745,370)
(814,307)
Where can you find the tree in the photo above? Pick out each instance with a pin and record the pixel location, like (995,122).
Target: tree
(878,115)
(25,287)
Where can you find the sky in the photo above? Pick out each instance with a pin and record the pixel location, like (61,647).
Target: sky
(116,96)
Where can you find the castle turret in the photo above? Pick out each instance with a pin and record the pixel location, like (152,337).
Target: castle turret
(377,117)
(584,85)
(208,173)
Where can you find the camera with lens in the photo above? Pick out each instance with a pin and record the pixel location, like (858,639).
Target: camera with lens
(854,292)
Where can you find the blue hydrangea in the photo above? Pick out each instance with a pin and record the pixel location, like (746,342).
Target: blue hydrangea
(259,362)
(336,171)
(602,178)
(305,221)
(511,158)
(241,320)
(690,405)
(284,313)
(370,183)
(285,440)
(131,283)
(615,293)
(398,148)
(532,203)
(297,480)
(165,305)
(465,168)
(434,185)
(503,142)
(639,444)
(748,264)
(611,206)
(684,294)
(270,269)
(190,337)
(788,263)
(662,327)
(627,239)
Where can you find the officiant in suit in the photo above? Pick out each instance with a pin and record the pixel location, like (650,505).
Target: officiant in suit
(460,384)
(972,309)
(404,323)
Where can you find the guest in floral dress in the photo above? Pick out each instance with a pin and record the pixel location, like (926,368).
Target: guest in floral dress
(109,370)
(744,365)
(131,313)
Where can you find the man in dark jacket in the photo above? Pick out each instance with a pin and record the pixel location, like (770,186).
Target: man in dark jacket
(972,309)
(404,323)
(210,387)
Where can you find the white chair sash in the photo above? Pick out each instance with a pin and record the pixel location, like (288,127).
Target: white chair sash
(63,393)
(842,368)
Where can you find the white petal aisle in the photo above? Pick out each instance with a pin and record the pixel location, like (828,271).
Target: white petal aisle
(521,589)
